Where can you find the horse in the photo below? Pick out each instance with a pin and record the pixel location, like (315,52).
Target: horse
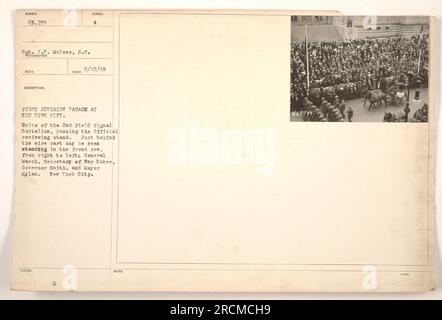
(375,97)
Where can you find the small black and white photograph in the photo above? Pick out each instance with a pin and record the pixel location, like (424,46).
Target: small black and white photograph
(359,68)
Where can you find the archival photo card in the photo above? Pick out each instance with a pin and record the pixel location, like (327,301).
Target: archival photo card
(154,152)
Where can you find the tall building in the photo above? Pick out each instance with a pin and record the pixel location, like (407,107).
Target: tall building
(322,28)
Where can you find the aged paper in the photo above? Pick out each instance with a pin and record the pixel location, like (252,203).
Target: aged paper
(176,151)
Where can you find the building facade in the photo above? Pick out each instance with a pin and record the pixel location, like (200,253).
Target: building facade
(320,28)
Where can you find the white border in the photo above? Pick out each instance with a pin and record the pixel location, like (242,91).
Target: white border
(355,7)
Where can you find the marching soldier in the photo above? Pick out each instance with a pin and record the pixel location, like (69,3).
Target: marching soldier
(407,111)
(349,114)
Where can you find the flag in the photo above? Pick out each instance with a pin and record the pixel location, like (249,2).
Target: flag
(306,59)
(420,36)
(420,49)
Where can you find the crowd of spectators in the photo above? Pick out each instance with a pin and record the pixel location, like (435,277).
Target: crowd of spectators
(347,69)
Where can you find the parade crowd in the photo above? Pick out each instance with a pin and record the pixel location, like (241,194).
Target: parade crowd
(343,70)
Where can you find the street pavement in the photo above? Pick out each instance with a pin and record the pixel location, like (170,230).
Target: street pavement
(376,113)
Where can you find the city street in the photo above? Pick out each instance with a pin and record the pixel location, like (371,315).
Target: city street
(376,113)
